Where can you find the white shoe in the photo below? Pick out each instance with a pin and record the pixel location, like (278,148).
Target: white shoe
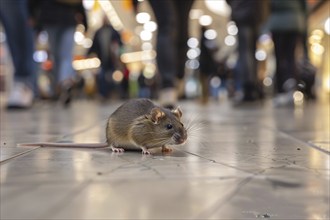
(20,96)
(284,100)
(168,97)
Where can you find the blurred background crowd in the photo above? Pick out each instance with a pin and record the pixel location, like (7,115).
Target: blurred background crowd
(240,51)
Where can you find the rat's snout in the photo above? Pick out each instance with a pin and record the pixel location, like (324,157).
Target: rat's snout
(181,137)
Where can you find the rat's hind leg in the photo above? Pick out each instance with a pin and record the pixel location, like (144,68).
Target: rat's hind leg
(145,151)
(117,149)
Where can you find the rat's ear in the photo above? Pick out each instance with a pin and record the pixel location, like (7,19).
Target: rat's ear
(177,112)
(155,115)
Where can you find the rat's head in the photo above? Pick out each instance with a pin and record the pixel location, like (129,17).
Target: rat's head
(166,125)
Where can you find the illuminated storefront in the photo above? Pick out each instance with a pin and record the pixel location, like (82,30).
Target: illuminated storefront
(319,42)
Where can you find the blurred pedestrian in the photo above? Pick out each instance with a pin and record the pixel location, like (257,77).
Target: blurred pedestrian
(60,18)
(208,64)
(247,17)
(287,23)
(14,16)
(106,45)
(172,19)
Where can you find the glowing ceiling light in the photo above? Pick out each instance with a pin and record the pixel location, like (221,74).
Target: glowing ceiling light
(232,28)
(267,81)
(111,14)
(192,64)
(215,82)
(318,32)
(318,49)
(79,37)
(138,56)
(142,17)
(210,34)
(327,26)
(89,63)
(150,26)
(205,20)
(219,7)
(193,53)
(87,43)
(298,98)
(145,35)
(261,55)
(117,76)
(88,4)
(230,40)
(146,46)
(192,42)
(40,56)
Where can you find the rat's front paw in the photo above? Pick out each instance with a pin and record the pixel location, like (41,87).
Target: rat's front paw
(166,149)
(117,149)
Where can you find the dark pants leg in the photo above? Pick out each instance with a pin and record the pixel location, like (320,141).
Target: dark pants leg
(182,10)
(285,45)
(247,64)
(172,20)
(104,81)
(166,58)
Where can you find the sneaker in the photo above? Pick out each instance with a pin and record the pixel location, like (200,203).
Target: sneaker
(66,95)
(168,97)
(20,96)
(284,100)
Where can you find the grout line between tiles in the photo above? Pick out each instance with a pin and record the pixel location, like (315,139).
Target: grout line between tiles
(298,140)
(217,162)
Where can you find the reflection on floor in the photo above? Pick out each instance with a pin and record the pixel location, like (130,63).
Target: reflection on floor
(246,162)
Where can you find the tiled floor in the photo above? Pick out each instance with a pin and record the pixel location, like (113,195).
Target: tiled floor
(240,163)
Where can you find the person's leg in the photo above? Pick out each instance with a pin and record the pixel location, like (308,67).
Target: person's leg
(53,41)
(103,82)
(285,82)
(166,54)
(284,44)
(65,53)
(19,35)
(166,57)
(61,44)
(246,75)
(182,11)
(14,16)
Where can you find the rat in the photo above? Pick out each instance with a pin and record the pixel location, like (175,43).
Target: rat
(137,124)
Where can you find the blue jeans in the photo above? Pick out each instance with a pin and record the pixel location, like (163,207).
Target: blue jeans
(19,35)
(61,42)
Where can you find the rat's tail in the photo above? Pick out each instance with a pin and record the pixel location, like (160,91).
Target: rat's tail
(64,145)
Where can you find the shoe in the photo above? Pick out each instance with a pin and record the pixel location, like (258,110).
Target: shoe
(284,100)
(66,94)
(237,98)
(168,97)
(20,97)
(252,92)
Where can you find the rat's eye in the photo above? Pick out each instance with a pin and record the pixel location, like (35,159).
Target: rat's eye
(169,126)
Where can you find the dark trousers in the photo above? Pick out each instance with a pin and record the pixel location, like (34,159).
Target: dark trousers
(285,45)
(172,20)
(247,64)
